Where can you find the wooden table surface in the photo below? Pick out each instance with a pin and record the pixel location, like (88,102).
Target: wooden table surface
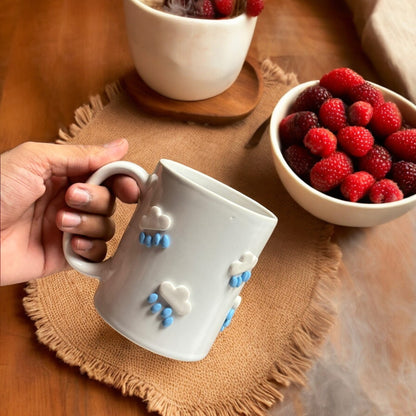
(53,55)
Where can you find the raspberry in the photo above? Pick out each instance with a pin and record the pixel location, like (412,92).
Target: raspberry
(254,7)
(403,144)
(329,172)
(386,119)
(385,190)
(339,81)
(207,10)
(366,92)
(356,140)
(356,185)
(299,159)
(332,114)
(292,128)
(377,161)
(360,113)
(311,99)
(204,9)
(320,141)
(404,174)
(224,7)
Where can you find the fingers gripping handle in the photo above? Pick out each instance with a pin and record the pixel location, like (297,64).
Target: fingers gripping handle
(115,168)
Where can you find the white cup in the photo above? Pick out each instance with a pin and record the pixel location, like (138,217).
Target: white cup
(187,58)
(174,281)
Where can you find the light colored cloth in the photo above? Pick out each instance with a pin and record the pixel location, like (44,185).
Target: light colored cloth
(388,34)
(286,310)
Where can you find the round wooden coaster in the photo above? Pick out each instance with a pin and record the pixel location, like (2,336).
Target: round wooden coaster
(233,104)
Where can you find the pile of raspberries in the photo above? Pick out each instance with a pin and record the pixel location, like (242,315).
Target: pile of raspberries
(214,9)
(344,139)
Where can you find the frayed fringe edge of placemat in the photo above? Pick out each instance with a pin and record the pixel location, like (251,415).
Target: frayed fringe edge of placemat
(272,73)
(84,114)
(303,348)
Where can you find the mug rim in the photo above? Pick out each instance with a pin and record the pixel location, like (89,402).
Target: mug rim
(179,170)
(190,19)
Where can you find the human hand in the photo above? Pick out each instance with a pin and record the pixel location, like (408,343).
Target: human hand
(38,202)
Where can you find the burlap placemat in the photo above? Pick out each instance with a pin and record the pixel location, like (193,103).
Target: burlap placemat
(286,309)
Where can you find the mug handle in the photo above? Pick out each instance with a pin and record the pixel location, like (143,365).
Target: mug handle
(114,168)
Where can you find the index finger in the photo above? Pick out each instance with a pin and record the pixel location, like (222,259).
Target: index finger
(125,188)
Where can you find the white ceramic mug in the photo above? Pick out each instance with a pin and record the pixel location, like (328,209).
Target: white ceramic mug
(186,58)
(174,282)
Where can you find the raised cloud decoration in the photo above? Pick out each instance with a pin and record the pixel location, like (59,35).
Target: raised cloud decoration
(176,296)
(155,220)
(246,262)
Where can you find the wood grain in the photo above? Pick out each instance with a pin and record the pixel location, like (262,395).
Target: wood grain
(235,103)
(54,54)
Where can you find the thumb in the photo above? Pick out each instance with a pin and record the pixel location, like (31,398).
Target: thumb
(75,160)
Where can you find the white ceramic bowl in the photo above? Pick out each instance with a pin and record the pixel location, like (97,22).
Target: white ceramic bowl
(187,58)
(327,208)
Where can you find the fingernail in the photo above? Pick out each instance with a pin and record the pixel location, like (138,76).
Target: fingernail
(79,197)
(115,143)
(70,220)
